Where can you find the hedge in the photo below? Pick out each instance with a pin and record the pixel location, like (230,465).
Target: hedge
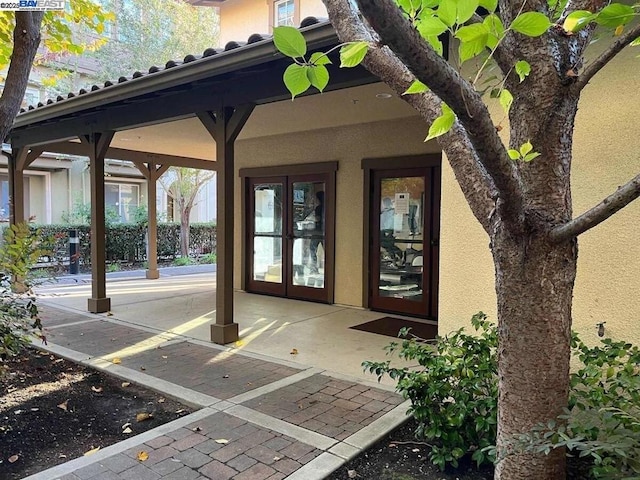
(127,242)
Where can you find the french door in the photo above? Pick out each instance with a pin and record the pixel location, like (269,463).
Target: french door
(404,241)
(290,236)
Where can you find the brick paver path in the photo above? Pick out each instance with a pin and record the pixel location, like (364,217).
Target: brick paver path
(299,422)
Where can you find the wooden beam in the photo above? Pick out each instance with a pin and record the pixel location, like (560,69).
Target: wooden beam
(75,148)
(97,144)
(224,125)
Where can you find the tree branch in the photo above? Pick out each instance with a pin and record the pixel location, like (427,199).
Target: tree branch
(476,184)
(598,214)
(26,39)
(394,29)
(616,47)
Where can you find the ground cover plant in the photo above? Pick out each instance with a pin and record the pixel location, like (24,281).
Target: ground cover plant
(453,388)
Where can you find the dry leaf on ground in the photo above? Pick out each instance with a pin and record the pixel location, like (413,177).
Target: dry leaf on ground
(294,351)
(127,430)
(222,441)
(142,456)
(13,458)
(92,451)
(117,361)
(125,384)
(141,417)
(64,405)
(96,389)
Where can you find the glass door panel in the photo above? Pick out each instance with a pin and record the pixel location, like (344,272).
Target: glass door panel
(308,234)
(399,257)
(267,240)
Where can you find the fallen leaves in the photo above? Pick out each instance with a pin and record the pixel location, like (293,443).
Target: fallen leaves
(126,428)
(14,458)
(91,452)
(96,389)
(142,456)
(116,361)
(125,384)
(352,473)
(64,405)
(143,416)
(294,351)
(222,441)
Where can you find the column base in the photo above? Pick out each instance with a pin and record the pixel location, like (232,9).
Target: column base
(153,274)
(223,334)
(99,305)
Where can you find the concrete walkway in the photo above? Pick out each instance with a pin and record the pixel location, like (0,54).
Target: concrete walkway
(259,417)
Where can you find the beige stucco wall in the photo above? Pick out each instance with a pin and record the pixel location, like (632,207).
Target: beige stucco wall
(347,145)
(241,18)
(606,146)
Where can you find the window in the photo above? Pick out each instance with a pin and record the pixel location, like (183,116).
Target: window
(284,13)
(121,200)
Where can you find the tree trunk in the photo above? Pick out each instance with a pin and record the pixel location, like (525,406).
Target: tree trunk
(184,232)
(534,286)
(534,283)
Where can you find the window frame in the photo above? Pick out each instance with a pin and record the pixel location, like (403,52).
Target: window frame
(273,10)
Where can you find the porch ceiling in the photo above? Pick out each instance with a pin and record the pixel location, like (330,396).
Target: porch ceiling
(350,106)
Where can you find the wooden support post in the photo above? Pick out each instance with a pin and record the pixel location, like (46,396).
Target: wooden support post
(224,125)
(153,173)
(98,144)
(19,159)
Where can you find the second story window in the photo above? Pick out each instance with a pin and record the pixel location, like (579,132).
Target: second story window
(284,11)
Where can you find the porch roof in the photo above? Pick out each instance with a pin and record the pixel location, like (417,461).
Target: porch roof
(242,72)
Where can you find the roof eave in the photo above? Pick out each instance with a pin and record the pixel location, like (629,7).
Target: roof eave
(316,35)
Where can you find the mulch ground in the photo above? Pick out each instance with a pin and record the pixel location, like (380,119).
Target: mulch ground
(52,411)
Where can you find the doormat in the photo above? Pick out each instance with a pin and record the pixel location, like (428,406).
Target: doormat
(390,326)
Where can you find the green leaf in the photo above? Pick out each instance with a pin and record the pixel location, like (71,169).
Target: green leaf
(530,156)
(614,15)
(473,39)
(431,26)
(465,10)
(352,54)
(296,79)
(489,5)
(495,28)
(416,87)
(318,76)
(447,12)
(577,20)
(436,44)
(506,99)
(636,42)
(525,148)
(523,69)
(513,154)
(442,124)
(319,58)
(290,42)
(532,24)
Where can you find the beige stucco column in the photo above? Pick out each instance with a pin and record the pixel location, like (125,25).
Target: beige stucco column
(224,125)
(98,143)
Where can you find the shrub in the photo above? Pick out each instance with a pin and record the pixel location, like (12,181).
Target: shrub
(453,390)
(208,258)
(18,310)
(182,261)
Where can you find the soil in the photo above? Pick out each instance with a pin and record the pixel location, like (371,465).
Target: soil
(399,456)
(53,410)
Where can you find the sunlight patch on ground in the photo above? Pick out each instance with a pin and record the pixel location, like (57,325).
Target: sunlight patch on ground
(157,340)
(18,396)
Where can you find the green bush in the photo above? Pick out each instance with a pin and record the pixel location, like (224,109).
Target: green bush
(19,316)
(453,391)
(126,242)
(182,261)
(602,421)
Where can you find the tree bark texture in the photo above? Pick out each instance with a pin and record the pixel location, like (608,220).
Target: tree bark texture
(26,39)
(185,213)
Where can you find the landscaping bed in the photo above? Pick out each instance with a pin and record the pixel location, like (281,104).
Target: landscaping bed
(53,410)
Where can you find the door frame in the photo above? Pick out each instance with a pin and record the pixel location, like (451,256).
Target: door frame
(298,170)
(369,165)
